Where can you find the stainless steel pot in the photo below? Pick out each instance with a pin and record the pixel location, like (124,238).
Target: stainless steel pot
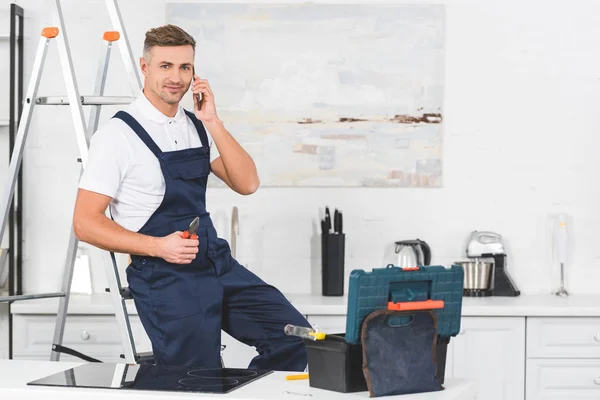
(478,274)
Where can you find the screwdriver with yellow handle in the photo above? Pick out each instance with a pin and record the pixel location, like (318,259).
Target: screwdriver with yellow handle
(296,377)
(303,332)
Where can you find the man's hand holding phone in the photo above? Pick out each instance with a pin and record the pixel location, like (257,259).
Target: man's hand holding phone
(204,104)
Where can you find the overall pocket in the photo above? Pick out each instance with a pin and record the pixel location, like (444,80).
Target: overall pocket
(194,165)
(175,292)
(181,291)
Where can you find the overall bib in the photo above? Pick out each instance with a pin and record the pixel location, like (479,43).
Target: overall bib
(183,307)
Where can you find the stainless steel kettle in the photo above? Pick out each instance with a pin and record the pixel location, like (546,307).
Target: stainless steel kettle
(412,253)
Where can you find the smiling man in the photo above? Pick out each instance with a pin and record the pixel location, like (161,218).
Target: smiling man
(150,164)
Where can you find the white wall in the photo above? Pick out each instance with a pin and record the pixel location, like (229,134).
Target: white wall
(521,121)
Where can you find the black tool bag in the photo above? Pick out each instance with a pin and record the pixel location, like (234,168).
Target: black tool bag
(399,352)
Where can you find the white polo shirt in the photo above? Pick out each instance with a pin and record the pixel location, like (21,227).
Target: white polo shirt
(121,166)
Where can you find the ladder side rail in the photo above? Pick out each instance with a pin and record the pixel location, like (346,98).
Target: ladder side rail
(82,140)
(100,84)
(125,47)
(22,131)
(61,315)
(115,289)
(66,62)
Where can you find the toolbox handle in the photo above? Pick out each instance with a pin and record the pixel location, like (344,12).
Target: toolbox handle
(390,266)
(416,305)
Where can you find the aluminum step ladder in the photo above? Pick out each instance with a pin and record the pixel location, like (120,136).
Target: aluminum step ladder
(83,132)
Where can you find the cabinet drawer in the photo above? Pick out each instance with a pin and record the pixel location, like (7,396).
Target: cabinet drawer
(95,336)
(328,323)
(560,379)
(573,337)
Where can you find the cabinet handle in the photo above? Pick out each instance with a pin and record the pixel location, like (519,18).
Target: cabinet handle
(597,380)
(85,335)
(597,337)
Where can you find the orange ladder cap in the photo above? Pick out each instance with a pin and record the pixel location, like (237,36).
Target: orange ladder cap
(50,32)
(111,36)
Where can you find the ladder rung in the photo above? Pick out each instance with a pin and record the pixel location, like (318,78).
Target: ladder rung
(85,100)
(30,296)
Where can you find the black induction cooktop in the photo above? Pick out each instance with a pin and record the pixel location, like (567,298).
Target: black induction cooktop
(152,377)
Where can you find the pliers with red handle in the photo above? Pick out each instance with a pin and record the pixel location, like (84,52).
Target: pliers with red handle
(192,229)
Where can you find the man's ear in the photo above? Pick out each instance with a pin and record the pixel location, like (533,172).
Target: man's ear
(144,66)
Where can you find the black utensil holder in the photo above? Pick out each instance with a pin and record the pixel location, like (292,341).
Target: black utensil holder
(332,262)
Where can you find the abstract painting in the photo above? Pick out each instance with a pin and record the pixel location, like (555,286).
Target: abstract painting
(326,95)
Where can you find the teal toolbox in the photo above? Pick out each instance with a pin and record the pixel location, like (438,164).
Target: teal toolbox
(336,362)
(371,291)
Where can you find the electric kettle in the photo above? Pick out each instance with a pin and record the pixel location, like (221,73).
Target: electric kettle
(412,253)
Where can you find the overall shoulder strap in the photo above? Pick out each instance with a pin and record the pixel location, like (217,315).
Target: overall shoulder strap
(199,128)
(140,131)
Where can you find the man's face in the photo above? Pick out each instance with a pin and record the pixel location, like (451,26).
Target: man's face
(168,71)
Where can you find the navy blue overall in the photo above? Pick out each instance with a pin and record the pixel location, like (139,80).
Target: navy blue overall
(183,307)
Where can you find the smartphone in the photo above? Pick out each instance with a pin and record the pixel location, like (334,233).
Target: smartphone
(198,96)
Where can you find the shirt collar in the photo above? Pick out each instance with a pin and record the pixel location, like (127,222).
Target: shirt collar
(153,114)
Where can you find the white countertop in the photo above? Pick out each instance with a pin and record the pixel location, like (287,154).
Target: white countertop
(522,306)
(584,305)
(15,374)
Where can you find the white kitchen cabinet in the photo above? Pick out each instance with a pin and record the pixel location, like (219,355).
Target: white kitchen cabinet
(491,350)
(563,358)
(558,379)
(95,336)
(570,337)
(3,330)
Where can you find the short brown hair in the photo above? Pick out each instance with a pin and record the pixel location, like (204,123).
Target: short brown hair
(167,35)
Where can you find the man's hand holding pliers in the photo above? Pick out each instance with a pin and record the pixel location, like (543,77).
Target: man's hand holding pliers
(180,247)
